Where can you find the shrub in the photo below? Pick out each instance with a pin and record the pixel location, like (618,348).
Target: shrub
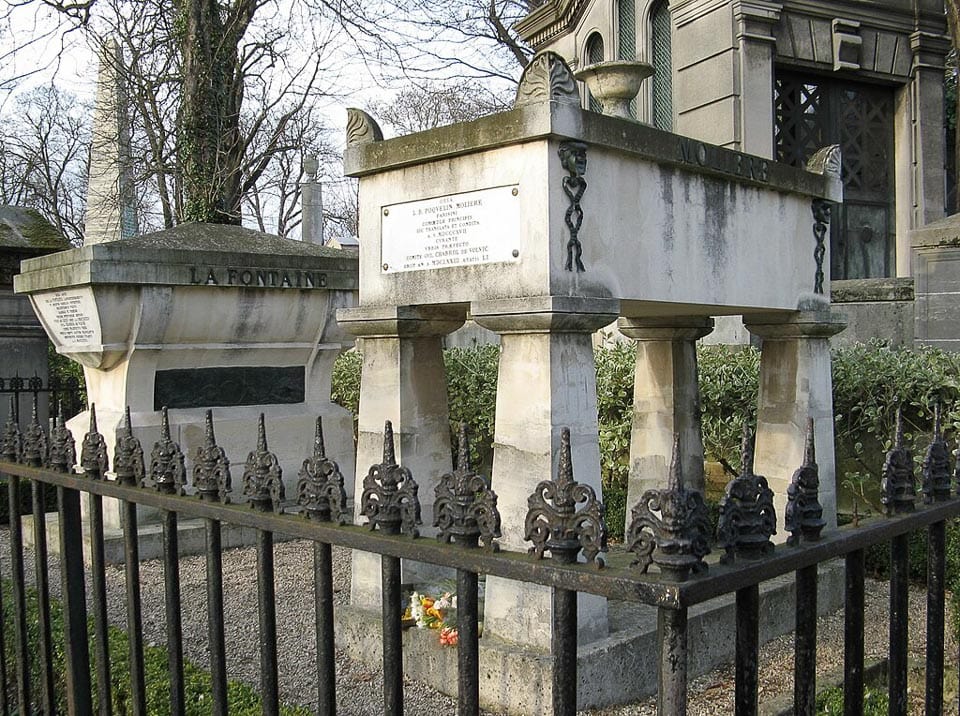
(830,702)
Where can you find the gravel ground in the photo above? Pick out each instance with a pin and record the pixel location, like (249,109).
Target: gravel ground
(358,686)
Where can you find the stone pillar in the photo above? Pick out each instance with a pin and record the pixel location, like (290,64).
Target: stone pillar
(755,21)
(796,383)
(402,380)
(547,381)
(920,143)
(311,200)
(666,401)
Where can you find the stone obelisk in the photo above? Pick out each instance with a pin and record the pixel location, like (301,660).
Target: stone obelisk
(111,212)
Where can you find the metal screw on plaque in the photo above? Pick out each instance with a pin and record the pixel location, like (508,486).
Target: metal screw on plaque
(553,521)
(211,468)
(167,472)
(936,464)
(515,191)
(386,266)
(898,485)
(386,212)
(93,453)
(128,454)
(804,513)
(389,500)
(670,528)
(63,450)
(320,484)
(465,508)
(747,515)
(516,253)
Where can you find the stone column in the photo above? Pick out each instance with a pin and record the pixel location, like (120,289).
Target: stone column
(547,381)
(666,401)
(796,383)
(754,22)
(402,380)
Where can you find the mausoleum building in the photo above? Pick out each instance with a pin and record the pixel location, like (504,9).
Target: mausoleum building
(782,79)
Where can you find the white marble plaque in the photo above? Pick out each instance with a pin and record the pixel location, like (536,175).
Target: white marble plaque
(71,315)
(476,227)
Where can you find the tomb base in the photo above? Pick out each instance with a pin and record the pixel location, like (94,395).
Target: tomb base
(620,668)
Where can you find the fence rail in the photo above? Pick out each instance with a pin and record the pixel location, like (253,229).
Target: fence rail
(668,542)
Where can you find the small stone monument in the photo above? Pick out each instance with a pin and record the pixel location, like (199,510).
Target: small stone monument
(548,222)
(203,316)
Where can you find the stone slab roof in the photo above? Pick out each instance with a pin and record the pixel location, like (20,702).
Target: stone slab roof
(23,228)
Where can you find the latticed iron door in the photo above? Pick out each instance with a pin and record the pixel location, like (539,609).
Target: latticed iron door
(810,113)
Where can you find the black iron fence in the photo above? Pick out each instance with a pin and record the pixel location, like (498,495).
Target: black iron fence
(66,393)
(670,538)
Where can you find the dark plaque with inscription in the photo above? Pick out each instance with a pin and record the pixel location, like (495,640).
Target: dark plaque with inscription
(227,387)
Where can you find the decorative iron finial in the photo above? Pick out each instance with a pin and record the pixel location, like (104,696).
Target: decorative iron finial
(12,443)
(389,500)
(128,454)
(262,475)
(34,440)
(554,523)
(898,489)
(211,468)
(936,464)
(804,513)
(747,516)
(63,449)
(320,485)
(93,452)
(678,539)
(167,471)
(465,508)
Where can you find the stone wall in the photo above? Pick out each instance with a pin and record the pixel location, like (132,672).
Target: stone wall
(875,308)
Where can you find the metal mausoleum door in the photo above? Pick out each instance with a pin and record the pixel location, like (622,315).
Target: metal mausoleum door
(812,112)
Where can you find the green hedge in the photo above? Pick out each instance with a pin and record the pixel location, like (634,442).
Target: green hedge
(869,381)
(242,699)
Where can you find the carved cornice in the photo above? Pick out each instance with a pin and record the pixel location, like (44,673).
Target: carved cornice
(551,20)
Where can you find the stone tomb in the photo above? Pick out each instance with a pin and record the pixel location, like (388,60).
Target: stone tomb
(197,317)
(547,222)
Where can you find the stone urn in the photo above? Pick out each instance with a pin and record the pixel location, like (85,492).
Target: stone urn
(614,84)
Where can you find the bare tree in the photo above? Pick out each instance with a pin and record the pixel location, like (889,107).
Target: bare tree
(423,106)
(45,141)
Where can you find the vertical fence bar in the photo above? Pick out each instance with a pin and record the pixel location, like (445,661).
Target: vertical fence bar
(19,596)
(936,565)
(468,644)
(4,707)
(747,650)
(218,657)
(41,564)
(805,650)
(326,663)
(171,593)
(672,667)
(79,699)
(899,580)
(853,635)
(131,553)
(563,643)
(99,602)
(269,686)
(391,612)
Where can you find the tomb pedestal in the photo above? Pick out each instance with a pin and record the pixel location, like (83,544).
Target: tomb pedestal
(403,381)
(666,402)
(546,381)
(796,384)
